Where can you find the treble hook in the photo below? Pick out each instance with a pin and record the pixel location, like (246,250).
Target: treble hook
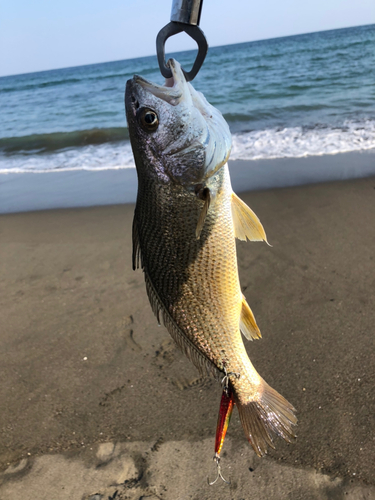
(219,474)
(225,379)
(185,17)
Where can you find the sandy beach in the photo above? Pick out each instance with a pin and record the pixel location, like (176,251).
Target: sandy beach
(90,382)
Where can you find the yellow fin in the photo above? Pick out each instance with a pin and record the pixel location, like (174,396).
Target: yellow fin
(246,223)
(248,325)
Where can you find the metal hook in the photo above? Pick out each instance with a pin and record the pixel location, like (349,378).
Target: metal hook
(219,474)
(195,33)
(225,379)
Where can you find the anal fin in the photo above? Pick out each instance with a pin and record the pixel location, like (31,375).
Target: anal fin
(248,324)
(246,223)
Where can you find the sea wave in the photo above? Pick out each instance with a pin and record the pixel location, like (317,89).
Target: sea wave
(298,142)
(42,143)
(289,142)
(40,85)
(107,156)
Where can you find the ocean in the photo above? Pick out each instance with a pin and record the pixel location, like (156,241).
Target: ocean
(291,97)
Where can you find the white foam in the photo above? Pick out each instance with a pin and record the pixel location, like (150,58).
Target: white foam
(109,156)
(298,142)
(292,142)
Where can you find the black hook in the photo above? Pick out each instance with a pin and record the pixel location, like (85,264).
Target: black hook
(195,33)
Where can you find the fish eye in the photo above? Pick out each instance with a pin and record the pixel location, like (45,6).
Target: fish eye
(148,119)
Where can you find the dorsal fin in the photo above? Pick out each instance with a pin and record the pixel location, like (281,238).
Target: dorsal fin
(248,325)
(246,223)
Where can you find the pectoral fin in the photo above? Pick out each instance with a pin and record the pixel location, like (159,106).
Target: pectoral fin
(248,325)
(205,195)
(246,223)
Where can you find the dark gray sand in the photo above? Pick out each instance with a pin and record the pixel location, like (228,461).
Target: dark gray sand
(83,362)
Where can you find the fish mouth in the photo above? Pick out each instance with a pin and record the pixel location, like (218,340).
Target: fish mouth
(173,91)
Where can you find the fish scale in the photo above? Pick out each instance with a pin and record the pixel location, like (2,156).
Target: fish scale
(180,267)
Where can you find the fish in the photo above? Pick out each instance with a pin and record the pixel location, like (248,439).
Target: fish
(186,221)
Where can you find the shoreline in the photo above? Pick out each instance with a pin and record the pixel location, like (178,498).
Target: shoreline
(31,191)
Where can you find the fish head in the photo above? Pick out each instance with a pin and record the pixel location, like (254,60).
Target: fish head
(175,133)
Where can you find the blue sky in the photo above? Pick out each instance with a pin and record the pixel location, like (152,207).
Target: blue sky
(43,34)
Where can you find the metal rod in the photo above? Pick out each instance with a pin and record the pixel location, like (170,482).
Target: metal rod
(186,11)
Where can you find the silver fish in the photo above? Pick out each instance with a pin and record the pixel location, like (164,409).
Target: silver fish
(185,224)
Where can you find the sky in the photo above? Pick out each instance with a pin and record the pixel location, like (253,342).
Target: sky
(43,34)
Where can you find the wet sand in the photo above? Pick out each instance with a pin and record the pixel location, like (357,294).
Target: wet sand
(83,362)
(80,188)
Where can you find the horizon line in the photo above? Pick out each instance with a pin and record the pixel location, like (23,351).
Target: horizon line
(187,50)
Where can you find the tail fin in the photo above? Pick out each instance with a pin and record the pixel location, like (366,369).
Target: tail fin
(271,413)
